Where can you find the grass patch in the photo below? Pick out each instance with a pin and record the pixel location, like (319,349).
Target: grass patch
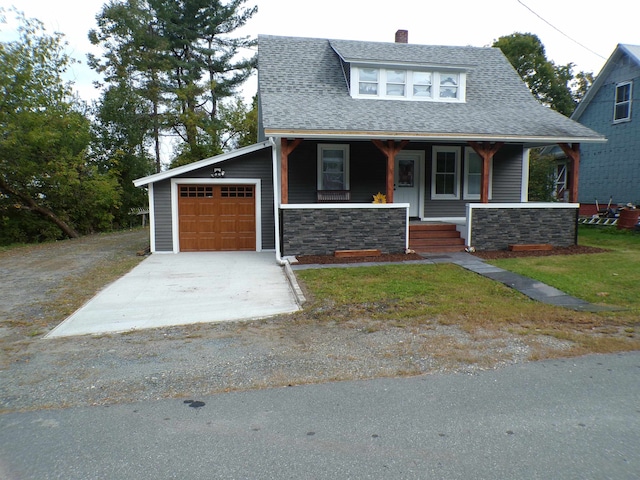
(610,278)
(410,295)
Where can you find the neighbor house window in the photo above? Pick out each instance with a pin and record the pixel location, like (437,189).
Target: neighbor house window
(622,107)
(472,183)
(445,173)
(403,84)
(333,167)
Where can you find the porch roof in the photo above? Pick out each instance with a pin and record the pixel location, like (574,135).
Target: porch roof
(304,92)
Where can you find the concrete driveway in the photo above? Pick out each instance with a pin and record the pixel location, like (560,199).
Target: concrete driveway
(186,288)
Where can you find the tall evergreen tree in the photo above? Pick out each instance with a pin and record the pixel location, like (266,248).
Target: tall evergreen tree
(180,56)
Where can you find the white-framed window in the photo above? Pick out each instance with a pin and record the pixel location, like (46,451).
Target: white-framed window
(421,84)
(406,84)
(396,82)
(472,181)
(445,173)
(449,83)
(368,80)
(333,167)
(622,105)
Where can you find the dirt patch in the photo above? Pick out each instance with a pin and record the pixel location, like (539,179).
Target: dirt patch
(42,284)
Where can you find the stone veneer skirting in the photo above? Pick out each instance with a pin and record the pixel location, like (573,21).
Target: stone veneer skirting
(323,230)
(495,228)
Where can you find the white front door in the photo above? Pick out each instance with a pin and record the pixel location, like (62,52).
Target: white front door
(408,180)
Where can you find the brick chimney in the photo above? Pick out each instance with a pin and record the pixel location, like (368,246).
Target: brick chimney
(402,36)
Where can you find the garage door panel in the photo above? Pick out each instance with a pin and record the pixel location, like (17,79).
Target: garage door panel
(216,217)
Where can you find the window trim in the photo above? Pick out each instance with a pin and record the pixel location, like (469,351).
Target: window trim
(434,158)
(472,196)
(628,102)
(435,84)
(333,146)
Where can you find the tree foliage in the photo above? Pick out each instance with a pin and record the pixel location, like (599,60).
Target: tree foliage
(554,85)
(179,58)
(240,123)
(45,179)
(120,146)
(542,169)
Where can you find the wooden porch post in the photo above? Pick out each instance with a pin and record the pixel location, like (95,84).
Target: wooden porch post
(573,152)
(286,148)
(390,150)
(486,151)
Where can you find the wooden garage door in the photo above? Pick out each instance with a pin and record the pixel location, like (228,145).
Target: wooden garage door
(216,217)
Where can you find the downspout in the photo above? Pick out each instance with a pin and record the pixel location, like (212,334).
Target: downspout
(276,195)
(291,278)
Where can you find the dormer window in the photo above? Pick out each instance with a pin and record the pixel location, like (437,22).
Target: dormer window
(404,84)
(396,83)
(449,86)
(422,84)
(368,81)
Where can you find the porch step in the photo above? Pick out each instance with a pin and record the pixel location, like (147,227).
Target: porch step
(434,238)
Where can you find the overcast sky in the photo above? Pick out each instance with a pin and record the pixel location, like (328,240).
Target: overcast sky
(570,30)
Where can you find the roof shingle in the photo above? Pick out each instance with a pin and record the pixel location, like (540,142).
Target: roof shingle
(303,88)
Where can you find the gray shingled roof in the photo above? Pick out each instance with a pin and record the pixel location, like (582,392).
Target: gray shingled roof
(303,89)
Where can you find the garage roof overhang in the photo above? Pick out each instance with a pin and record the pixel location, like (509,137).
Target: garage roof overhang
(174,172)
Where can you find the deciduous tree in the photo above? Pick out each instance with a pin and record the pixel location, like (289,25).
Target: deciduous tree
(554,85)
(45,134)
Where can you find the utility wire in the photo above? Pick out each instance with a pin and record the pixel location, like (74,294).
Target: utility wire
(560,31)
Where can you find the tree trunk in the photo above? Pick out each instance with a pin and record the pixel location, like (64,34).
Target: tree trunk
(31,204)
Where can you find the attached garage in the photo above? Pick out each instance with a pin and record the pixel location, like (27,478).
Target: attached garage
(223,203)
(216,217)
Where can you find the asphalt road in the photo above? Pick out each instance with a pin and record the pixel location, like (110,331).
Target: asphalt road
(560,419)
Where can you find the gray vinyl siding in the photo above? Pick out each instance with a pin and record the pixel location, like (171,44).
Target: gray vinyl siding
(507,175)
(367,172)
(506,182)
(254,165)
(162,215)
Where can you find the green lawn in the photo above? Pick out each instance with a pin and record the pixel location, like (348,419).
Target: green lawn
(611,278)
(405,295)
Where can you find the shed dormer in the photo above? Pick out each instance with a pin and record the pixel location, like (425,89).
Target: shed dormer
(393,72)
